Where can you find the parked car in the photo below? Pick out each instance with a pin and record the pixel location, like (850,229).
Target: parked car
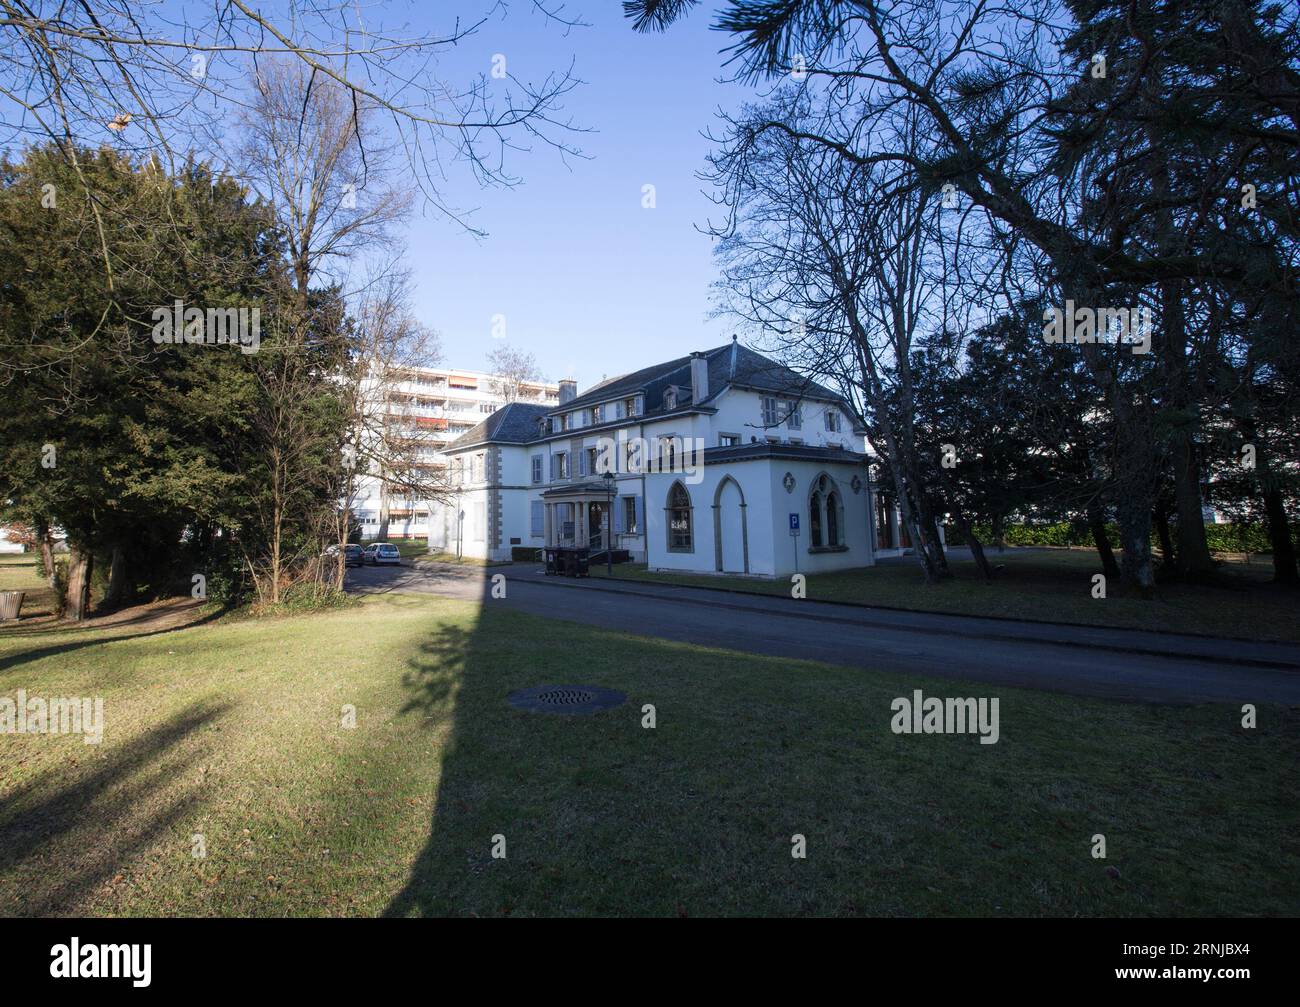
(353,555)
(379,553)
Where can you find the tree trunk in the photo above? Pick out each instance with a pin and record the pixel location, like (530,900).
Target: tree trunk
(80,565)
(118,593)
(1135,538)
(1136,471)
(383,509)
(976,548)
(47,552)
(1193,555)
(1279,535)
(1102,541)
(1279,528)
(1170,557)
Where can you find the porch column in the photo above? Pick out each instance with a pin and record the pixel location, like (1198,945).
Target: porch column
(893,526)
(548,526)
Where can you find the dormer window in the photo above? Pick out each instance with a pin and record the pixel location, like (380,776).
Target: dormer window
(670,398)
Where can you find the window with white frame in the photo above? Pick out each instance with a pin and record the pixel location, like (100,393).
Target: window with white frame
(825,515)
(832,421)
(680,531)
(537,469)
(793,415)
(770,417)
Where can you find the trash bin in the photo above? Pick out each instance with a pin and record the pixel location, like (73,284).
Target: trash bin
(10,603)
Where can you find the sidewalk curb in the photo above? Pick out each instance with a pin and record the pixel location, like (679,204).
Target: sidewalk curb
(1292,666)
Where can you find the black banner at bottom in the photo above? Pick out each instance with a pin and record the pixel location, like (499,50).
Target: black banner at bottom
(335,956)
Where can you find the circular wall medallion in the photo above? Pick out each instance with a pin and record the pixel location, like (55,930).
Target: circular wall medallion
(788,482)
(575,700)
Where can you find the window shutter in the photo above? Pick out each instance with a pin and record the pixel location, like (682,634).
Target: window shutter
(555,461)
(618,515)
(582,463)
(539,518)
(640,517)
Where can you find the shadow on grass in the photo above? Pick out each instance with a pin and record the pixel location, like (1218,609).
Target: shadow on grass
(95,636)
(60,840)
(437,681)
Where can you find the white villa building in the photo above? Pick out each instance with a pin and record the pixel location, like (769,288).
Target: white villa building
(720,462)
(442,404)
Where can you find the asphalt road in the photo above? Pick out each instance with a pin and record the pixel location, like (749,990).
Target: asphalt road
(1086,661)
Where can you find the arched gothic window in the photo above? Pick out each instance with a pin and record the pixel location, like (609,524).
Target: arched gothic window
(680,531)
(825,514)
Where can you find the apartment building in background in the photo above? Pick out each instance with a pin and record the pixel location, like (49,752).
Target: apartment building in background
(439,404)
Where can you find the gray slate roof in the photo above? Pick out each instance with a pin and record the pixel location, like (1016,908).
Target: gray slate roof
(729,365)
(513,423)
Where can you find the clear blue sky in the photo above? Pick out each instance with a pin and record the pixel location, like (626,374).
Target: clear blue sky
(589,282)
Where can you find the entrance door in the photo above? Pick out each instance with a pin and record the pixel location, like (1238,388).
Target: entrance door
(596,525)
(731,526)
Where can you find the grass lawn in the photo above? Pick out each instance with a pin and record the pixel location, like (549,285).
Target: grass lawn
(18,573)
(451,557)
(1045,586)
(231,731)
(417,549)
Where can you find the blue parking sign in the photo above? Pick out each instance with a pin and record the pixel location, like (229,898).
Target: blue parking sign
(794,524)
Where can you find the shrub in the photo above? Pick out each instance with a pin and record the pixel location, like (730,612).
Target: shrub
(1221,537)
(308,596)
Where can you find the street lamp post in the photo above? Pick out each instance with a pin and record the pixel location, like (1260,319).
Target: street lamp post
(609,523)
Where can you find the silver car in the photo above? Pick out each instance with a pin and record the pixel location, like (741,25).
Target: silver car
(381,553)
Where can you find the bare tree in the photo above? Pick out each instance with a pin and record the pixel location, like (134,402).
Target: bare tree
(160,80)
(314,152)
(837,266)
(512,370)
(390,436)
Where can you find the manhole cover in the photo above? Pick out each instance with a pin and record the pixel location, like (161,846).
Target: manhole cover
(572,699)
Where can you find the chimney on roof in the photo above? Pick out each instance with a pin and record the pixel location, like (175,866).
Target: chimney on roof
(733,355)
(568,390)
(699,377)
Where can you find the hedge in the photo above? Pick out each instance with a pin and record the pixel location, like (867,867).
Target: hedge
(1220,537)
